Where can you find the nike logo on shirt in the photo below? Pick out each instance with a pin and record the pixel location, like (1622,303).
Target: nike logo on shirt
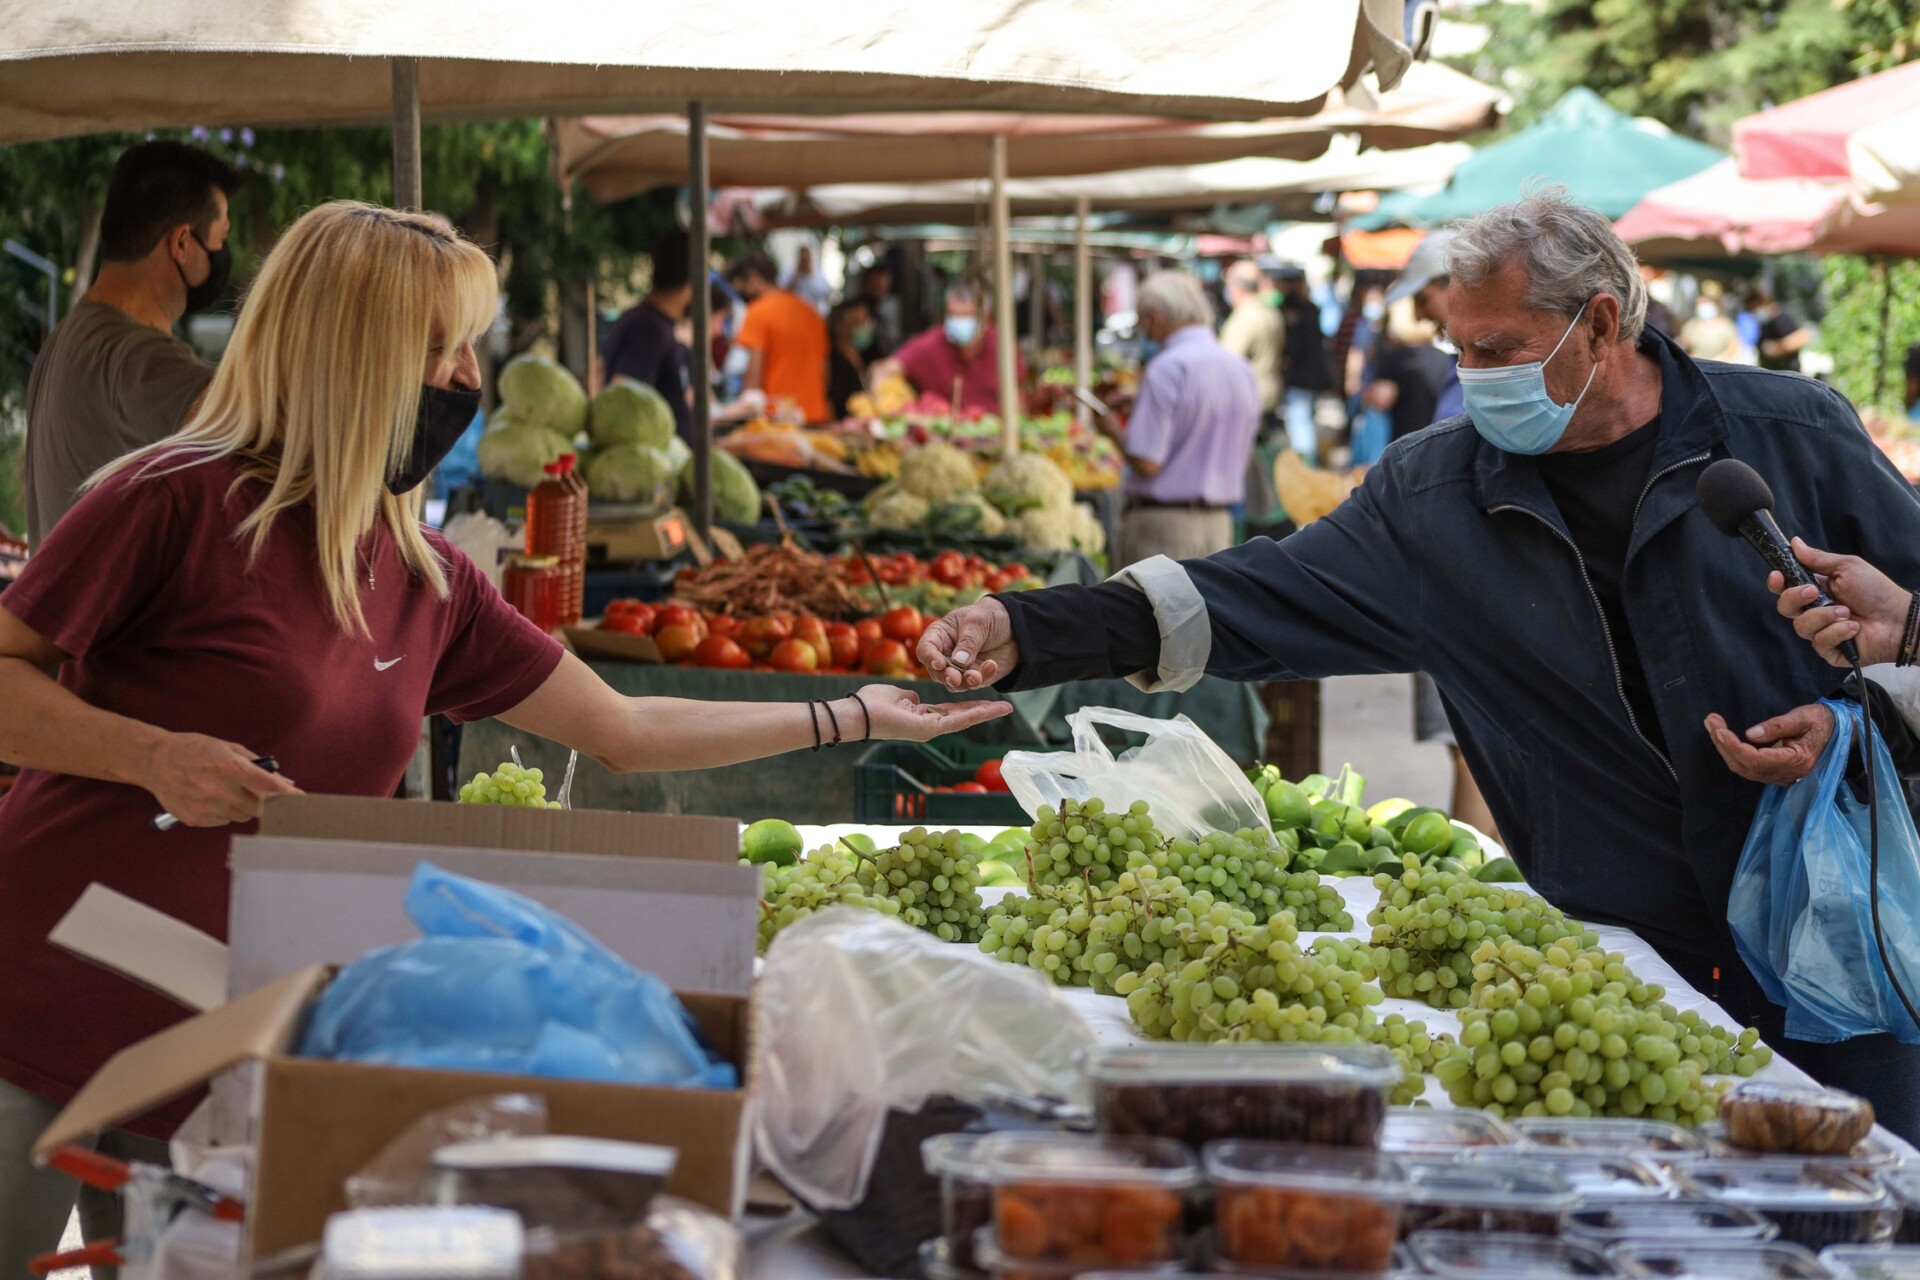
(382,666)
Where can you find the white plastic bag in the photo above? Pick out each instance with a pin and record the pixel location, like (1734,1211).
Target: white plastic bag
(1191,784)
(860,1014)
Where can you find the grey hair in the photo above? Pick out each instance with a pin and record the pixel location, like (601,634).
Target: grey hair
(1570,253)
(1177,298)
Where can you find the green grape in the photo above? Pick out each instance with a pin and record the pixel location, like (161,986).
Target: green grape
(508,785)
(930,880)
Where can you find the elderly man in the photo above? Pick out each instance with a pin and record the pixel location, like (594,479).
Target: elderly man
(1544,559)
(956,360)
(1191,432)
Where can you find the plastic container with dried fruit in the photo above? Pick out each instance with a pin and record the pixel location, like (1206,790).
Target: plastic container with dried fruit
(1287,1205)
(1096,1201)
(1506,1257)
(1813,1204)
(1689,1219)
(1904,1186)
(1774,1261)
(1794,1118)
(1421,1131)
(1619,1136)
(999,1266)
(1870,1156)
(1444,1194)
(1864,1262)
(1330,1095)
(555,1181)
(1593,1175)
(966,1196)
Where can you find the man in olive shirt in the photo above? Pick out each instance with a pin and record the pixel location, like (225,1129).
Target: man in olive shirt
(112,377)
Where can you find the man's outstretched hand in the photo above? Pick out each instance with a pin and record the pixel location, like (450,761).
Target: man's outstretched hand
(1781,751)
(970,647)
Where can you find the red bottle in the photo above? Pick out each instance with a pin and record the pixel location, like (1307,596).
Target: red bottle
(556,526)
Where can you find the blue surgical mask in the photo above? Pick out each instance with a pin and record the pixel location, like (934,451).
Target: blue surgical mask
(1511,408)
(962,330)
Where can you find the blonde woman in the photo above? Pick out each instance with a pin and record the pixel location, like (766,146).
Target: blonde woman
(259,585)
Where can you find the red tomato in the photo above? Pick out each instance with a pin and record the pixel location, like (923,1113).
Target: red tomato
(719,651)
(636,621)
(903,624)
(969,788)
(843,644)
(723,625)
(676,642)
(887,658)
(673,615)
(999,581)
(814,632)
(988,776)
(795,655)
(759,635)
(869,631)
(1015,571)
(950,568)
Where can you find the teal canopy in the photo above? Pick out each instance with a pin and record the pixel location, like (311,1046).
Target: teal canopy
(1604,158)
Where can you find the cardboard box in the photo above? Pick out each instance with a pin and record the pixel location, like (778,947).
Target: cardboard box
(622,646)
(323,882)
(319,1122)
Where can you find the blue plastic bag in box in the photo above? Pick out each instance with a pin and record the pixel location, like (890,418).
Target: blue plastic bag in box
(1800,910)
(500,983)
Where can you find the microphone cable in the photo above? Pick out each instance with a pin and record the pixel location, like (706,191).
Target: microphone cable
(1873,841)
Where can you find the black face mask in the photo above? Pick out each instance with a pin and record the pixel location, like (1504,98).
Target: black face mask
(219,271)
(444,416)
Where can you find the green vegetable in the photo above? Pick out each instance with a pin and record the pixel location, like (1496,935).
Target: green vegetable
(1317,785)
(1287,805)
(1427,834)
(1346,856)
(736,495)
(937,472)
(1387,810)
(541,393)
(629,473)
(518,453)
(630,413)
(1499,871)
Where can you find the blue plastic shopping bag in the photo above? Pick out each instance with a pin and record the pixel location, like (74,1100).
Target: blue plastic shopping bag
(500,983)
(1372,433)
(1800,907)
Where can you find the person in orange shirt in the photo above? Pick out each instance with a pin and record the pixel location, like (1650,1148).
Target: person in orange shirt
(785,337)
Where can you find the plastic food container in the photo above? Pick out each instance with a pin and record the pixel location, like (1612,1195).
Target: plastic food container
(423,1243)
(1001,1267)
(1797,1119)
(1721,1261)
(1593,1175)
(1690,1219)
(1421,1131)
(1813,1204)
(569,1184)
(1904,1186)
(937,1264)
(1863,1262)
(1284,1205)
(1506,1257)
(1455,1195)
(1329,1095)
(1093,1201)
(966,1197)
(1653,1138)
(1869,1156)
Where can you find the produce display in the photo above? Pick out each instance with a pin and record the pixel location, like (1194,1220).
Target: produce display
(1310,1208)
(930,880)
(1326,1095)
(1320,820)
(1089,1201)
(1813,1205)
(1443,1194)
(736,494)
(1623,1137)
(1418,1132)
(884,425)
(511,785)
(766,579)
(1593,1176)
(1795,1119)
(1028,498)
(542,408)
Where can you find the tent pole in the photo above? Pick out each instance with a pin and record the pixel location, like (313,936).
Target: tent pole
(1003,301)
(406,134)
(700,372)
(1082,308)
(1037,303)
(1886,322)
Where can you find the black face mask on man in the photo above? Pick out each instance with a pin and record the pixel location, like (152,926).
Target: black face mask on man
(445,414)
(219,272)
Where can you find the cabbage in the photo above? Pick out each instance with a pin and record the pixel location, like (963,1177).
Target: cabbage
(681,455)
(541,393)
(629,473)
(736,498)
(518,453)
(630,413)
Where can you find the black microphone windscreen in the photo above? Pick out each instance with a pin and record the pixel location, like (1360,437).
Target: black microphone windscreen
(1729,492)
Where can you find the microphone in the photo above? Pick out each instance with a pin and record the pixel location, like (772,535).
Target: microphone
(1740,505)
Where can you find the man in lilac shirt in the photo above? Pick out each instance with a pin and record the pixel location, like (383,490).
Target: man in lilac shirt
(1191,433)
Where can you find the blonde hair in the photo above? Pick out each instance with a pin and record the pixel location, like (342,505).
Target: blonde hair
(317,395)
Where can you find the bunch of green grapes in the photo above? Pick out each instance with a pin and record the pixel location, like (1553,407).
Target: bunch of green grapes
(1090,935)
(1567,1029)
(1428,923)
(508,785)
(1251,982)
(1248,869)
(1087,844)
(934,878)
(1417,1049)
(930,881)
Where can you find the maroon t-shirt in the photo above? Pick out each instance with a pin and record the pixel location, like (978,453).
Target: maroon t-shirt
(147,589)
(933,364)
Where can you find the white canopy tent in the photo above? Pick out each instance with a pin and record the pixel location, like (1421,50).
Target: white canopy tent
(71,67)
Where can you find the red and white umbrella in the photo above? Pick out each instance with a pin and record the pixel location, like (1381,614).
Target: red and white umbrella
(1807,138)
(1717,211)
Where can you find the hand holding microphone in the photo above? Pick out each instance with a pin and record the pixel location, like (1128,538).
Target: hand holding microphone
(1863,606)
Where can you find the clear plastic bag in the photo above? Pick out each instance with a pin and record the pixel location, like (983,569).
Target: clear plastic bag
(860,1015)
(1800,907)
(678,1241)
(500,983)
(399,1174)
(1183,774)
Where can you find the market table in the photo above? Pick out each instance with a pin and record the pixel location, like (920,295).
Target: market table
(793,1247)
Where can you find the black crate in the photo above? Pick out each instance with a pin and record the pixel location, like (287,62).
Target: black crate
(894,783)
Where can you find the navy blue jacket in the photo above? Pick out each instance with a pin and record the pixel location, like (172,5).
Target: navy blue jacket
(1453,559)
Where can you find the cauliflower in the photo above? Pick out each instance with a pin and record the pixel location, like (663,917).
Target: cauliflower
(1044,528)
(1027,478)
(1089,535)
(937,472)
(892,507)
